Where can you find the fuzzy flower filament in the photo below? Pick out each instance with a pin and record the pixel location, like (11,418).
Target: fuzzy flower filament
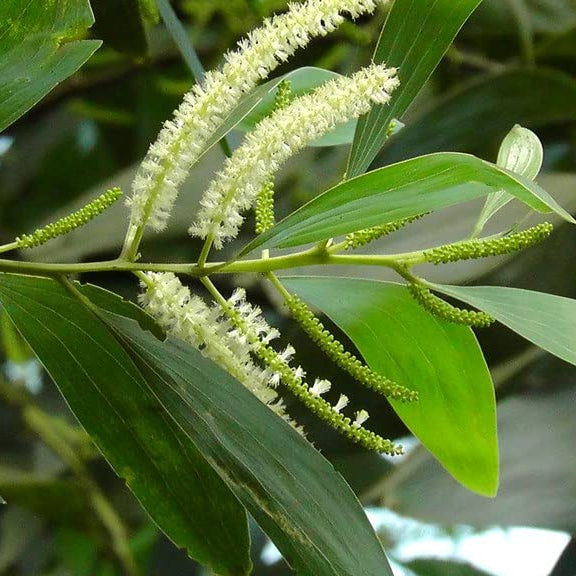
(183,138)
(335,350)
(279,136)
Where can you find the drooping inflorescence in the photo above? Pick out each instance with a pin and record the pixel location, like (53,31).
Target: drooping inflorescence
(335,350)
(247,319)
(183,139)
(70,222)
(481,248)
(362,237)
(442,309)
(279,136)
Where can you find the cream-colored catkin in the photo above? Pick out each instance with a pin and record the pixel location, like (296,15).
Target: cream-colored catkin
(277,137)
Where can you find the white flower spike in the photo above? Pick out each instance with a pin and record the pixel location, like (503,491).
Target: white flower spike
(279,136)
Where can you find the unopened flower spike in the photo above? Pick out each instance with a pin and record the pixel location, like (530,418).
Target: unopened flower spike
(481,248)
(264,210)
(70,222)
(442,309)
(279,136)
(311,397)
(335,350)
(183,139)
(362,237)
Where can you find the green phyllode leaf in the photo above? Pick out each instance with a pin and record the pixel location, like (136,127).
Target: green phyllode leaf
(110,398)
(39,48)
(455,416)
(546,320)
(401,191)
(290,489)
(416,35)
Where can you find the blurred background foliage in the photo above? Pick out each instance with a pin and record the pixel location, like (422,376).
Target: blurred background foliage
(513,62)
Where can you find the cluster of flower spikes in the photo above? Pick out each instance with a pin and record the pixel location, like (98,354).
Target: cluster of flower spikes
(70,222)
(335,350)
(184,138)
(440,308)
(481,248)
(362,237)
(233,334)
(279,136)
(264,209)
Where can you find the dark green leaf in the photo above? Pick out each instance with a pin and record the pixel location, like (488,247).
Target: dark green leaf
(120,24)
(467,121)
(547,320)
(406,189)
(455,417)
(415,36)
(106,392)
(39,49)
(292,492)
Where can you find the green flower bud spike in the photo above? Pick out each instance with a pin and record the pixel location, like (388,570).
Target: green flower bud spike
(264,210)
(70,222)
(442,309)
(363,237)
(347,361)
(478,248)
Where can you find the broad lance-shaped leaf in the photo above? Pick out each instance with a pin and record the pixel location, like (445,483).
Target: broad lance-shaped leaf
(546,320)
(416,35)
(120,411)
(288,487)
(39,49)
(399,191)
(455,416)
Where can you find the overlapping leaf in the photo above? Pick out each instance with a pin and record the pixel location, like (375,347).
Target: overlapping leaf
(547,320)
